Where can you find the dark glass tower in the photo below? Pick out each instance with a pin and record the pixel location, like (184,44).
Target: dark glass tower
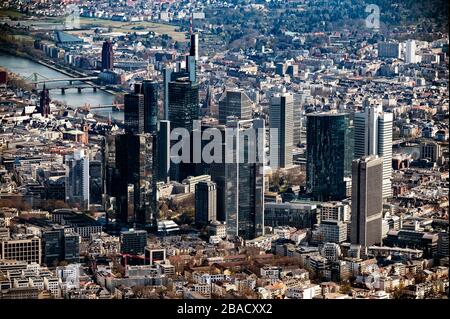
(58,245)
(205,203)
(167,77)
(183,103)
(193,50)
(281,121)
(133,174)
(107,56)
(329,155)
(150,91)
(244,181)
(134,112)
(183,110)
(163,151)
(235,103)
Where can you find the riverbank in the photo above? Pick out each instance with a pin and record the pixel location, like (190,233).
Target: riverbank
(57,68)
(25,67)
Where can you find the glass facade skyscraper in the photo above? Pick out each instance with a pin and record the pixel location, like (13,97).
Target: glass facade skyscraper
(132,173)
(373,136)
(281,120)
(183,103)
(205,202)
(134,112)
(329,154)
(244,181)
(235,103)
(150,91)
(77,178)
(163,151)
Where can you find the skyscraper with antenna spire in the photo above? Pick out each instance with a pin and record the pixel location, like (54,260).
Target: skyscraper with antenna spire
(192,58)
(194,40)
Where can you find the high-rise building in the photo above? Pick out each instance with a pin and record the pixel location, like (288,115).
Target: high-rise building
(107,56)
(130,177)
(335,211)
(244,179)
(443,247)
(95,182)
(52,246)
(150,91)
(59,245)
(192,58)
(205,202)
(235,103)
(167,77)
(216,169)
(191,68)
(431,151)
(44,102)
(292,70)
(163,151)
(329,153)
(410,52)
(373,136)
(281,123)
(133,242)
(280,68)
(134,113)
(390,50)
(77,178)
(71,249)
(242,211)
(193,51)
(367,201)
(183,103)
(297,110)
(183,111)
(333,231)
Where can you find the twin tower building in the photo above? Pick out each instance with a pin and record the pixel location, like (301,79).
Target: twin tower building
(352,154)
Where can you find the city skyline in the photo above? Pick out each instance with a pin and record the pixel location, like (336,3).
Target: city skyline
(243,150)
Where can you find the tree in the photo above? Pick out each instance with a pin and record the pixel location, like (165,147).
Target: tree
(345,289)
(17,203)
(63,263)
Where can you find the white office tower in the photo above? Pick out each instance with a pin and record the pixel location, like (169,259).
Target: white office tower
(281,126)
(410,52)
(77,178)
(373,136)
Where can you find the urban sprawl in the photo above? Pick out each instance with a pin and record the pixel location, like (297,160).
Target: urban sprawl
(347,118)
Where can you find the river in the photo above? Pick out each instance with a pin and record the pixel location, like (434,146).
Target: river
(25,68)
